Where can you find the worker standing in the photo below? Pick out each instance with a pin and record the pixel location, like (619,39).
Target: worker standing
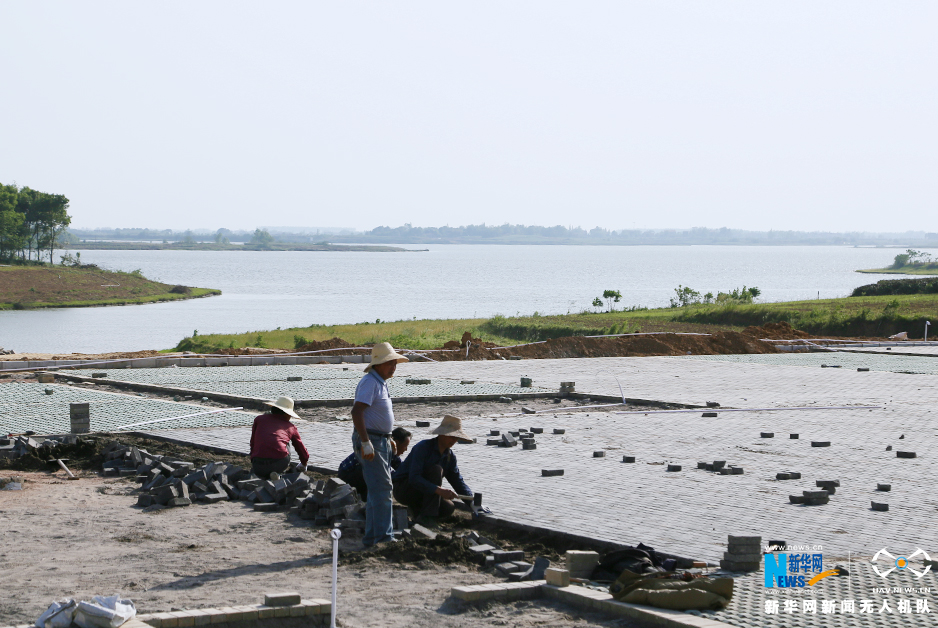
(373,418)
(271,436)
(350,470)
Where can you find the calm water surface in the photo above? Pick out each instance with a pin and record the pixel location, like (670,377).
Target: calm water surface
(289,289)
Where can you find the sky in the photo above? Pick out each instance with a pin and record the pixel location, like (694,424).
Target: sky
(753,115)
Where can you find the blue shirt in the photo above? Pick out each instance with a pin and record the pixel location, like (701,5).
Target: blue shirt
(426,454)
(351,463)
(372,391)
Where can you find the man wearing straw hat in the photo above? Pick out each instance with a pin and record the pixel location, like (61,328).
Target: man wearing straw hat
(418,482)
(271,436)
(373,418)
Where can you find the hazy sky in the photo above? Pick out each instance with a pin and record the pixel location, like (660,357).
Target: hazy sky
(759,115)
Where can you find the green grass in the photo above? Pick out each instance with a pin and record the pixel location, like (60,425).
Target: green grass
(850,316)
(194,294)
(412,334)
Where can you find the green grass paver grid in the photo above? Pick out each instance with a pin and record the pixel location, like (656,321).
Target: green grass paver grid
(269,382)
(847,360)
(26,407)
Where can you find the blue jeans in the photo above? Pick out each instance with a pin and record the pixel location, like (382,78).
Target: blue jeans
(379,525)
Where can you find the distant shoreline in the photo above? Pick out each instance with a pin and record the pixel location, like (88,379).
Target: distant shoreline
(210,246)
(899,271)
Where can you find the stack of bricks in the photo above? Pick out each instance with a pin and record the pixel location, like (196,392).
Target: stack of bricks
(719,466)
(509,563)
(168,483)
(333,501)
(743,553)
(315,613)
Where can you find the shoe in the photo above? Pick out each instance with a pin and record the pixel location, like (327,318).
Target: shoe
(274,476)
(428,522)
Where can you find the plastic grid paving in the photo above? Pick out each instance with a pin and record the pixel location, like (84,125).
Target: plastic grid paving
(270,382)
(748,607)
(917,365)
(26,406)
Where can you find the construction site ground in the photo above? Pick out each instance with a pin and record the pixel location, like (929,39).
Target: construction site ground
(78,539)
(688,513)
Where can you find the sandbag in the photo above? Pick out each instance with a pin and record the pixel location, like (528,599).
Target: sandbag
(678,599)
(59,614)
(666,592)
(104,612)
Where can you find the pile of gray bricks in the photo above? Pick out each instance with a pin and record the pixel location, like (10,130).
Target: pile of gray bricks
(167,482)
(333,501)
(511,438)
(720,466)
(743,553)
(507,563)
(19,446)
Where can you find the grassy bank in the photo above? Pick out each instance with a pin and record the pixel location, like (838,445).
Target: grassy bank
(905,270)
(413,334)
(28,287)
(851,316)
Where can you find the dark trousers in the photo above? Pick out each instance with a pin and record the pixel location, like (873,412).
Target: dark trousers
(356,479)
(424,505)
(263,467)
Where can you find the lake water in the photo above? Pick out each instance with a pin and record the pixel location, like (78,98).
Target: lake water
(265,290)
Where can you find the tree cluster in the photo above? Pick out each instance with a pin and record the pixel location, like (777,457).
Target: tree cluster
(32,223)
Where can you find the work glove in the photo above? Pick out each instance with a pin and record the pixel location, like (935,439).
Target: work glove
(301,468)
(368,450)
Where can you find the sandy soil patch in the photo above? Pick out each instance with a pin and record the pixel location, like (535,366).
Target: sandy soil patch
(82,538)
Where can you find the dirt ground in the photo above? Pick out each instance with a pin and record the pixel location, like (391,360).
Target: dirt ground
(86,537)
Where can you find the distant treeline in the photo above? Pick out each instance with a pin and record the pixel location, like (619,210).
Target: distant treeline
(32,223)
(523,234)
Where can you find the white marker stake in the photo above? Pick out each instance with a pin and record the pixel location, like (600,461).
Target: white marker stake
(927,323)
(336,534)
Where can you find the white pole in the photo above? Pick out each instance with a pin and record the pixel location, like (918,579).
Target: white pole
(336,534)
(927,323)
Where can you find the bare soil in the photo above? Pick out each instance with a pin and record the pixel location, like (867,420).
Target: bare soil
(85,537)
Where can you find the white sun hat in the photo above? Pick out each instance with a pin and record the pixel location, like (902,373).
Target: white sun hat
(384,352)
(285,404)
(452,426)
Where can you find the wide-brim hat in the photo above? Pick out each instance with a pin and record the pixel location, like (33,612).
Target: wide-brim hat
(384,352)
(285,404)
(452,426)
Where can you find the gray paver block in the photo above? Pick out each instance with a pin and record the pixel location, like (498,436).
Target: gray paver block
(547,473)
(282,599)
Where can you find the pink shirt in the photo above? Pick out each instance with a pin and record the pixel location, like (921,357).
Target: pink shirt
(271,437)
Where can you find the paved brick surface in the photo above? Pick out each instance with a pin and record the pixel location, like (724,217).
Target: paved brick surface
(917,365)
(748,607)
(743,385)
(692,512)
(26,406)
(270,382)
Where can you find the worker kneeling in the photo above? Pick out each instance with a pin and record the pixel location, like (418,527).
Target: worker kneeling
(418,482)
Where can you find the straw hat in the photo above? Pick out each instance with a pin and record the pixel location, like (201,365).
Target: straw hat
(384,352)
(285,404)
(452,426)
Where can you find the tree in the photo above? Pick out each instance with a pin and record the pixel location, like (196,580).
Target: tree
(221,236)
(611,296)
(262,237)
(684,296)
(597,302)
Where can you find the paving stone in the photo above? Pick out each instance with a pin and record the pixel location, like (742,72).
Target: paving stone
(581,563)
(905,454)
(266,506)
(767,435)
(557,577)
(628,459)
(884,487)
(547,473)
(282,599)
(177,502)
(820,443)
(879,506)
(599,454)
(423,531)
